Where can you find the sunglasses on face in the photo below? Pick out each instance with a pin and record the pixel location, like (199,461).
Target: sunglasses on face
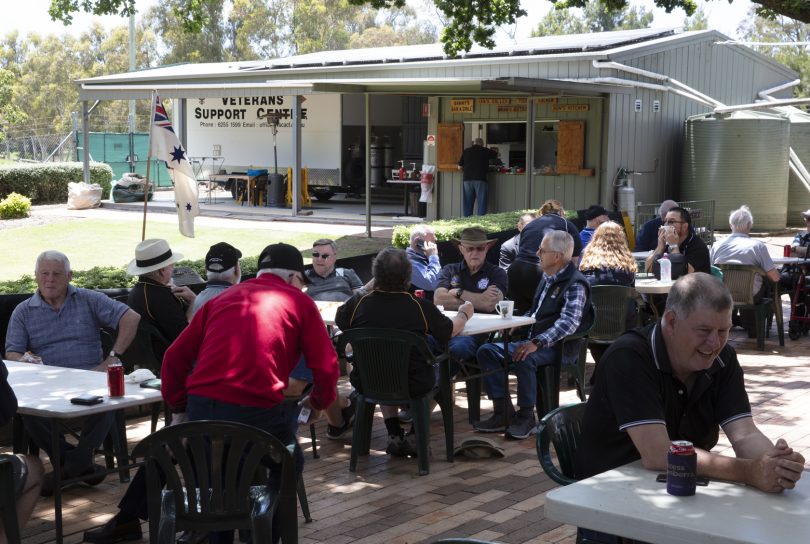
(475,248)
(673,222)
(316,255)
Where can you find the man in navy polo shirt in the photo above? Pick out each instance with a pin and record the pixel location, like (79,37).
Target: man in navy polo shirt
(473,279)
(677,379)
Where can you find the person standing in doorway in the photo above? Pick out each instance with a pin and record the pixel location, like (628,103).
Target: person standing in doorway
(474,162)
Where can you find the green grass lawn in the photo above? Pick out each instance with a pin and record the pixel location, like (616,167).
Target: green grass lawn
(93,242)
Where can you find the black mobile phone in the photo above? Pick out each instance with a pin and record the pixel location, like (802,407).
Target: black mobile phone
(420,244)
(151,384)
(87,399)
(700,480)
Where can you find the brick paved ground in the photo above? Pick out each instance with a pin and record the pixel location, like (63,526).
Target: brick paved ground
(496,499)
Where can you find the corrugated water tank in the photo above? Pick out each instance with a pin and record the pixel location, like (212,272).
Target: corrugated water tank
(738,159)
(798,195)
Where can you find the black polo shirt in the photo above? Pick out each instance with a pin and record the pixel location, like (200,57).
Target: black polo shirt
(635,386)
(458,275)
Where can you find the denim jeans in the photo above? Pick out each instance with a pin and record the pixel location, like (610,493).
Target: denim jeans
(74,459)
(473,191)
(490,357)
(465,347)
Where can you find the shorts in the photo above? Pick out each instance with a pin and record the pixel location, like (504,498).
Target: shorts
(302,371)
(20,472)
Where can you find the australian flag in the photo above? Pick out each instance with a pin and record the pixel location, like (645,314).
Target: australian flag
(166,146)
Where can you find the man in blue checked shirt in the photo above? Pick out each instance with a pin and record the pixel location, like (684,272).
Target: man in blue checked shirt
(60,325)
(559,304)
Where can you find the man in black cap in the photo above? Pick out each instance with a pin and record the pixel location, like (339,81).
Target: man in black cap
(223,270)
(594,216)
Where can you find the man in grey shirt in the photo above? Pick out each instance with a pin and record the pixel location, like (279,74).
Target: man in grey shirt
(222,269)
(326,281)
(740,248)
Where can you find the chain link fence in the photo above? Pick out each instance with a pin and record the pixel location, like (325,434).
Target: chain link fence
(40,148)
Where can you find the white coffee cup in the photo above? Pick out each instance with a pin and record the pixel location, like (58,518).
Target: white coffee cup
(505,308)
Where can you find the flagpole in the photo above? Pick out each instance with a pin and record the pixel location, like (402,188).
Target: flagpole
(148,164)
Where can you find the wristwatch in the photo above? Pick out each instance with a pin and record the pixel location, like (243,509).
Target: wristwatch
(672,247)
(113,354)
(458,293)
(536,342)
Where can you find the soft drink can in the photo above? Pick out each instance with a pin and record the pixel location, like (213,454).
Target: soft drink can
(681,468)
(419,293)
(115,379)
(787,251)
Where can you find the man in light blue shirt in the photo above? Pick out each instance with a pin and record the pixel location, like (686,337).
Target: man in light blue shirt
(61,325)
(424,257)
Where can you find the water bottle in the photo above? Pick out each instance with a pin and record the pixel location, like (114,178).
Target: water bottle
(666,268)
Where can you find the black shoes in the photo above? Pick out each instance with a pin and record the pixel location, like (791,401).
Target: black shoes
(98,476)
(335,433)
(114,531)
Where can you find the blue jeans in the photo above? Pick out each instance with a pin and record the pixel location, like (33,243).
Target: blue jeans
(465,347)
(74,459)
(474,191)
(490,357)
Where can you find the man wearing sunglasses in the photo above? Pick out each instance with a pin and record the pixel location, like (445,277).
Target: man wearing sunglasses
(676,238)
(328,282)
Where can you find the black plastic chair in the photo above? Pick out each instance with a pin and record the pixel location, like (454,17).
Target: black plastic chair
(8,502)
(548,376)
(141,353)
(382,358)
(615,312)
(211,468)
(562,428)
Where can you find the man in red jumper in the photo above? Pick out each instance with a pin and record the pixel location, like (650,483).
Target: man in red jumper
(233,362)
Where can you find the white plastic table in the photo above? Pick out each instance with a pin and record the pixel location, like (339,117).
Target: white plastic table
(45,391)
(628,502)
(653,286)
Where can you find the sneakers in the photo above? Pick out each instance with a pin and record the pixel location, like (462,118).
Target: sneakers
(496,423)
(397,446)
(523,426)
(335,433)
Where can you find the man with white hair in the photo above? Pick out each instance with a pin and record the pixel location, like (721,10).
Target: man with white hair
(740,248)
(60,326)
(474,162)
(647,238)
(222,269)
(423,253)
(559,305)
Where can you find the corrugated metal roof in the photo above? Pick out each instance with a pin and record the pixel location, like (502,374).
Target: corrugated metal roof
(549,46)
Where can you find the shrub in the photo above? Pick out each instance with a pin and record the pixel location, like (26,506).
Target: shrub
(447,229)
(48,183)
(15,206)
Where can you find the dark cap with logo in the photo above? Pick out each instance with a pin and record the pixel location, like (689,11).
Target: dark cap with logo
(221,256)
(282,255)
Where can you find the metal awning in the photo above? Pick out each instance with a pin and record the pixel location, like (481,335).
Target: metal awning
(406,86)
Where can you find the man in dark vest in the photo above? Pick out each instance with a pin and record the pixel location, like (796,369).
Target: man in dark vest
(559,305)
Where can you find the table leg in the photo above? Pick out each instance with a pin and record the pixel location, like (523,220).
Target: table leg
(405,203)
(507,360)
(120,446)
(446,392)
(57,479)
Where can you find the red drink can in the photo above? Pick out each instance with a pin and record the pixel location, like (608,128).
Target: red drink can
(115,379)
(419,293)
(787,251)
(681,468)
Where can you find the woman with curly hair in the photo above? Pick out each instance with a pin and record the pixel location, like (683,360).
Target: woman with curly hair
(525,272)
(607,259)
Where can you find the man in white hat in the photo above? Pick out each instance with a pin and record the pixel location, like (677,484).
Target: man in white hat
(167,306)
(59,325)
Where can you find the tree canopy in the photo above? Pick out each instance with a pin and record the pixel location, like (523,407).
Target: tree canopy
(468,22)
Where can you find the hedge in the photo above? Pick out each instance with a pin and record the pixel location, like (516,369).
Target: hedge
(112,277)
(447,229)
(47,183)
